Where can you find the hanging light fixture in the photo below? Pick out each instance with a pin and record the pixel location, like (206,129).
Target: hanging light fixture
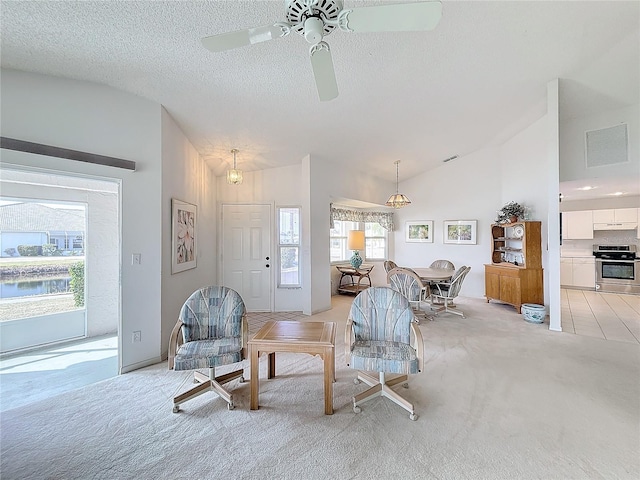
(397,200)
(234,176)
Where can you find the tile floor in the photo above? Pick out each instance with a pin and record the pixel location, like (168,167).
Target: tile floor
(609,316)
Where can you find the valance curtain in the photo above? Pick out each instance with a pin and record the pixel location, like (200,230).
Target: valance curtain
(385,219)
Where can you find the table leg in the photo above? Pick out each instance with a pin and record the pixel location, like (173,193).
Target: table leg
(254,365)
(329,375)
(271,369)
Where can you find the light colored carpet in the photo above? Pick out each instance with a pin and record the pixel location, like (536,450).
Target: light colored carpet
(499,399)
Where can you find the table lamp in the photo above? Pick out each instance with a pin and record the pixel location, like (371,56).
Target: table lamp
(355,242)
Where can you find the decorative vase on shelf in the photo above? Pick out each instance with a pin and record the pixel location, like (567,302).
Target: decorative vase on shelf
(356,260)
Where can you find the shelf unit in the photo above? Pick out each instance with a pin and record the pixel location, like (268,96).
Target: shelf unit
(515,273)
(523,251)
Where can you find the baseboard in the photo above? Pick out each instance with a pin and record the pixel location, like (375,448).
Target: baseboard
(139,365)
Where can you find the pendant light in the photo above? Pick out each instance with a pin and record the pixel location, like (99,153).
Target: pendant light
(234,176)
(397,200)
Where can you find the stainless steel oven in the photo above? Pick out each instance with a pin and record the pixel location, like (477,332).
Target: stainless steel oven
(617,269)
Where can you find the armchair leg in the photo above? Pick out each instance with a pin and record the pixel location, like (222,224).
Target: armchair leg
(208,383)
(382,388)
(440,304)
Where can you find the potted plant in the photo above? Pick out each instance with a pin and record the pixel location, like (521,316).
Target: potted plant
(510,213)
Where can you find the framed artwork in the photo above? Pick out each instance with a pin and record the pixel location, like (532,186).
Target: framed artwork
(462,232)
(183,236)
(420,231)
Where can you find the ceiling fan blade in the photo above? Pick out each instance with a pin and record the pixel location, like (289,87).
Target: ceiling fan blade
(323,72)
(241,38)
(401,17)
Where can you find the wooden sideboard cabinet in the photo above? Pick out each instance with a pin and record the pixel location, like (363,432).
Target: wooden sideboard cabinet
(515,274)
(513,285)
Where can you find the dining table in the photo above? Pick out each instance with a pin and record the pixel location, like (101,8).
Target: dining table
(428,274)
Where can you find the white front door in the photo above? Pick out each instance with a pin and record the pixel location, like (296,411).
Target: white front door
(247,261)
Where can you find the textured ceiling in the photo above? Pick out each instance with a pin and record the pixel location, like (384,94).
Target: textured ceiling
(476,79)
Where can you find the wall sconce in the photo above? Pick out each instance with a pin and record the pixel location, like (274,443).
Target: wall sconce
(234,176)
(355,242)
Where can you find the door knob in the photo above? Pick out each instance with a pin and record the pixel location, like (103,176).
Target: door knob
(267,258)
(267,265)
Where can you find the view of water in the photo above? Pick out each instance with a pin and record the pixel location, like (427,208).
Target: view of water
(27,288)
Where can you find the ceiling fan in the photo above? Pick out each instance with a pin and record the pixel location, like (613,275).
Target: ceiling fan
(314,19)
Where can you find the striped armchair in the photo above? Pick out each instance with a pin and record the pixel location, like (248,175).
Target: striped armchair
(381,336)
(211,331)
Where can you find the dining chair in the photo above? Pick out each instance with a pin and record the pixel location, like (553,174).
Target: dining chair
(442,264)
(389,265)
(443,293)
(211,331)
(409,284)
(381,336)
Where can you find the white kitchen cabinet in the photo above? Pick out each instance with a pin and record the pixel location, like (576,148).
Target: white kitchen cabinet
(625,215)
(611,215)
(578,272)
(584,273)
(615,219)
(603,216)
(566,272)
(579,225)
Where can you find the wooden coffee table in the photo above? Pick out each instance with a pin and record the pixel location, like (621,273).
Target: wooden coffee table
(315,338)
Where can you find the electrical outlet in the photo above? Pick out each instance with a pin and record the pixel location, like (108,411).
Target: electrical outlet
(136,259)
(137,336)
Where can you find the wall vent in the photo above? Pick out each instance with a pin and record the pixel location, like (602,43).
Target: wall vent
(607,146)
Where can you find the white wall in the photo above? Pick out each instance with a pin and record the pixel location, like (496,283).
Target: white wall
(572,144)
(468,188)
(632,201)
(311,185)
(275,186)
(474,187)
(525,179)
(552,265)
(328,180)
(186,177)
(98,119)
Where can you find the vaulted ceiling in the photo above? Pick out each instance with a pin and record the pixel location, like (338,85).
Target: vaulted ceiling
(421,97)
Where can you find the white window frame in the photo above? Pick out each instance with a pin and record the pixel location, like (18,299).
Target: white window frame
(385,238)
(281,246)
(361,226)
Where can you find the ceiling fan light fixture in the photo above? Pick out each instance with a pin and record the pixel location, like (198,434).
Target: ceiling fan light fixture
(315,19)
(234,176)
(397,200)
(313,30)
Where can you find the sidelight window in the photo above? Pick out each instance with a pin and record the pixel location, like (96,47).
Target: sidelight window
(289,247)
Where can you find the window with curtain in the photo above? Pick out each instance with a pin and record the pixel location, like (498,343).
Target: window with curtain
(338,240)
(376,226)
(375,238)
(289,247)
